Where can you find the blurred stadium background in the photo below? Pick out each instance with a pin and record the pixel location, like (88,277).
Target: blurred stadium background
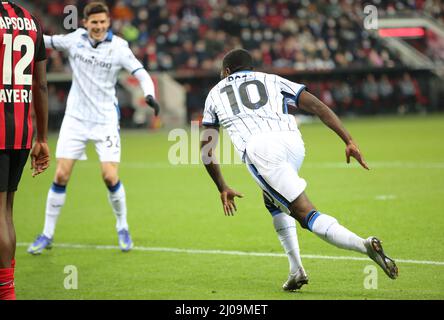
(396,69)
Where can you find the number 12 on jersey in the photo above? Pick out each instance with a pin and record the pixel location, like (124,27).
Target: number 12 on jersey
(20,78)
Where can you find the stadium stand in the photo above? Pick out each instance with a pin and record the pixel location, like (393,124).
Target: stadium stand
(313,40)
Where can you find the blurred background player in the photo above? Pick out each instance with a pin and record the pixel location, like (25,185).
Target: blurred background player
(253,107)
(92,113)
(22,45)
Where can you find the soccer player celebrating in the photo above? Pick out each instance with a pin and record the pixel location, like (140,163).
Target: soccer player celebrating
(253,107)
(22,81)
(96,56)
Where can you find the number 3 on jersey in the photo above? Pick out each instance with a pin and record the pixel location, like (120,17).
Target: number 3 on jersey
(245,98)
(19,72)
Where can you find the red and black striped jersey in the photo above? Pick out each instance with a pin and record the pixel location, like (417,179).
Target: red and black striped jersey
(21,45)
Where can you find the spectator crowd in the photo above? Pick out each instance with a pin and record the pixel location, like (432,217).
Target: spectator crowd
(191,36)
(194,34)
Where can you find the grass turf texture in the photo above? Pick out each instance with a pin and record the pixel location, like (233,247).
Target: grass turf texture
(400,200)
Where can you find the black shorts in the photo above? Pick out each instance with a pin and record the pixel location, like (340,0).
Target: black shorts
(12,163)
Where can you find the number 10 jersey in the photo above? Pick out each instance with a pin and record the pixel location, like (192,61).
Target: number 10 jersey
(248,103)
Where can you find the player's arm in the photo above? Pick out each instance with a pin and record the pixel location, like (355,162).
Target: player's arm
(61,42)
(310,103)
(147,85)
(40,150)
(133,66)
(209,142)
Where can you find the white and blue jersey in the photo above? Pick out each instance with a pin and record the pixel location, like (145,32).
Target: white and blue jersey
(249,103)
(95,68)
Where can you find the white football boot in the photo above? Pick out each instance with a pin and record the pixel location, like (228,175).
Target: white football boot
(296,280)
(375,252)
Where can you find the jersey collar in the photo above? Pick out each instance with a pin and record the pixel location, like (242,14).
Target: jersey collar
(108,38)
(242,71)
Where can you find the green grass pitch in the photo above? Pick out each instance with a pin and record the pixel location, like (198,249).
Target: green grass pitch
(401,200)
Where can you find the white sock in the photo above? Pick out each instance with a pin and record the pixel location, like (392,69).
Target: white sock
(54,203)
(117,199)
(328,229)
(285,227)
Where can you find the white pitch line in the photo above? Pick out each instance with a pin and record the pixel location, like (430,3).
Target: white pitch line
(310,165)
(226,252)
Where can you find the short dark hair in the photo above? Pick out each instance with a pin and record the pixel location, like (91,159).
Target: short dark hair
(238,59)
(94,8)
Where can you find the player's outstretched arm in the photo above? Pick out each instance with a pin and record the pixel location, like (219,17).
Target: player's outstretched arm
(310,103)
(61,42)
(40,150)
(147,85)
(208,144)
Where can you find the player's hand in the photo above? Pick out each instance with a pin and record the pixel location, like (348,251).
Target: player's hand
(153,104)
(352,150)
(227,196)
(39,158)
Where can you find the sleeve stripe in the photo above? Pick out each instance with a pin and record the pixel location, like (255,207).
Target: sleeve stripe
(288,87)
(136,71)
(298,94)
(210,124)
(52,43)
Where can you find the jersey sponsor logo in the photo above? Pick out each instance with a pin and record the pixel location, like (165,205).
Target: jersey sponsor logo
(17,23)
(92,61)
(15,96)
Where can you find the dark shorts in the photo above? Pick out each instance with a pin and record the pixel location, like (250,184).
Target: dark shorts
(12,163)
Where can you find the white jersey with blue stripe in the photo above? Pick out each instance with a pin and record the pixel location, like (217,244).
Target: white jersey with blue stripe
(95,68)
(247,103)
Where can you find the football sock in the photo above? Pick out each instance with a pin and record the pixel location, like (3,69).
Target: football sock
(117,199)
(54,203)
(7,291)
(285,227)
(328,229)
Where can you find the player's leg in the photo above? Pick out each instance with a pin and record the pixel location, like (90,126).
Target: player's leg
(325,226)
(116,193)
(70,148)
(107,142)
(8,186)
(10,221)
(6,245)
(266,157)
(117,199)
(329,229)
(7,291)
(57,195)
(285,227)
(54,203)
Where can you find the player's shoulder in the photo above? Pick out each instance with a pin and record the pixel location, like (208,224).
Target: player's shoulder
(117,41)
(20,7)
(261,74)
(78,33)
(217,87)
